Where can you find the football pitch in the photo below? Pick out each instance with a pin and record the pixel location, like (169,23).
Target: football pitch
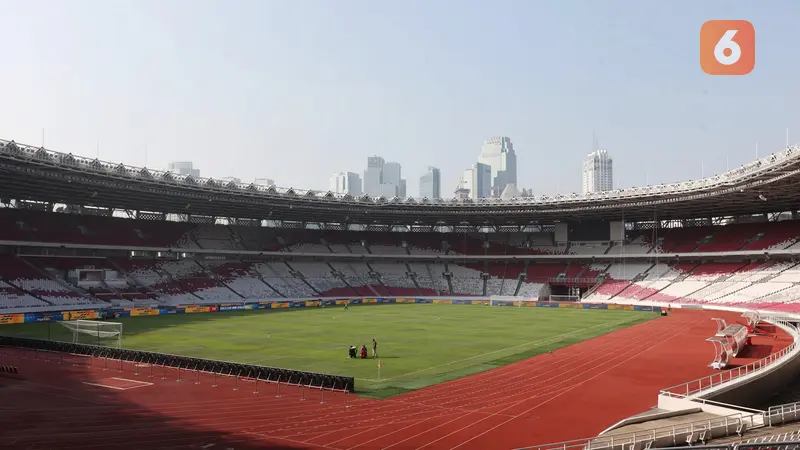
(419,345)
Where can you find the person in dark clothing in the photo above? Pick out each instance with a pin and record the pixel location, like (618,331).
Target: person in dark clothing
(353,351)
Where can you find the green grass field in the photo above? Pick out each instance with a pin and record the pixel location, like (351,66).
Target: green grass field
(419,345)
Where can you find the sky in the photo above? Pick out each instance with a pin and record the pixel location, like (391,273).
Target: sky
(295,90)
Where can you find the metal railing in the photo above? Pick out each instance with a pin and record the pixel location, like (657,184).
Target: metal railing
(687,433)
(779,414)
(674,435)
(697,387)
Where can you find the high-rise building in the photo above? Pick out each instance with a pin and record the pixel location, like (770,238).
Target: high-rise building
(498,153)
(346,183)
(391,182)
(184,168)
(598,172)
(373,176)
(383,178)
(481,185)
(464,187)
(430,184)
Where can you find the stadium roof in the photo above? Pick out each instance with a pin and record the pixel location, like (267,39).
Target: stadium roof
(770,184)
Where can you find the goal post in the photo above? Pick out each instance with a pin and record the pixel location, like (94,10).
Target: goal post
(95,332)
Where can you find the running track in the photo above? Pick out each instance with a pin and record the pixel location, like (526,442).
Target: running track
(572,393)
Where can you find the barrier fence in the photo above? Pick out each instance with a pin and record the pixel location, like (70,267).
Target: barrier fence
(184,363)
(189,374)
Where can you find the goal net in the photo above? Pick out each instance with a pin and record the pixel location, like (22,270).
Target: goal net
(95,332)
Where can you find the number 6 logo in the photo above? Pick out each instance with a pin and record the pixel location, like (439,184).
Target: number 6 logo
(727,47)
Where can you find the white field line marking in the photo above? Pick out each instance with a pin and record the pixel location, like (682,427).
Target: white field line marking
(537,343)
(105,386)
(144,383)
(117,388)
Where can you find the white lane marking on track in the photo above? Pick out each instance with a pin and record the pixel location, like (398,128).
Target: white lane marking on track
(456,418)
(538,342)
(638,354)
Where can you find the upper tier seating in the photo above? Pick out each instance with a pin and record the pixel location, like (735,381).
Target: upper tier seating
(29,225)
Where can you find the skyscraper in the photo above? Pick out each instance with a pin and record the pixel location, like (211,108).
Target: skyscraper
(464,187)
(598,172)
(430,184)
(498,153)
(481,181)
(391,184)
(373,176)
(383,178)
(346,183)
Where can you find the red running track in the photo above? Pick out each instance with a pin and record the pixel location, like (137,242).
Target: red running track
(574,392)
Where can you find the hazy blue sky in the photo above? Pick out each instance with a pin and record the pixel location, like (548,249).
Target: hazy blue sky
(295,90)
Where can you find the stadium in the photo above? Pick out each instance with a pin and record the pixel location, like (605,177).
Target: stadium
(160,311)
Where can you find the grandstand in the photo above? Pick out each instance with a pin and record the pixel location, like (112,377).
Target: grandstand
(216,264)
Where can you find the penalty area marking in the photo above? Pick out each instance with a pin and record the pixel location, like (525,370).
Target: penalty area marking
(122,384)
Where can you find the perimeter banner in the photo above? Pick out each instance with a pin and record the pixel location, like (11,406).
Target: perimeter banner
(622,307)
(139,312)
(443,302)
(11,318)
(80,315)
(196,309)
(404,300)
(546,305)
(647,308)
(369,300)
(279,305)
(480,302)
(234,307)
(570,305)
(595,306)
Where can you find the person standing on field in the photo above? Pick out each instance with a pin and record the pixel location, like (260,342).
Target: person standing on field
(374,348)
